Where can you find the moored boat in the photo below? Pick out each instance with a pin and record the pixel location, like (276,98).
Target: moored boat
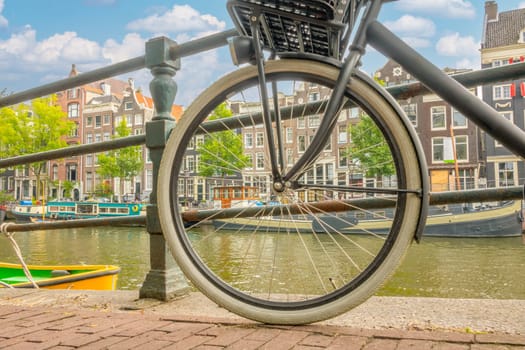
(3,213)
(64,210)
(76,277)
(504,220)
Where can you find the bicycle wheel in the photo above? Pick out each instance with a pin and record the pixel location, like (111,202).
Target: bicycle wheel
(327,240)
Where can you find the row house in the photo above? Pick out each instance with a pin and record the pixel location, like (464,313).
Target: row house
(451,142)
(503,43)
(70,170)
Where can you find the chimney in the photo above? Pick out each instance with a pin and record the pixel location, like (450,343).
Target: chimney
(491,10)
(106,88)
(73,72)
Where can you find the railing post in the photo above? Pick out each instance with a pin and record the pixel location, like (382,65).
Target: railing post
(164,280)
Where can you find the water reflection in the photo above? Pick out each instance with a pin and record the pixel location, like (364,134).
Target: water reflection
(438,267)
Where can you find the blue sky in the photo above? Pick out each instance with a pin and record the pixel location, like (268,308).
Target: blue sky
(39,40)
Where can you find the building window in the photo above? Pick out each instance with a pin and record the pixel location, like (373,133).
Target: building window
(354,112)
(505,174)
(438,116)
(411,112)
(248,140)
(98,121)
(438,149)
(289,156)
(129,120)
(55,173)
(190,160)
(249,161)
(301,143)
(289,135)
(458,120)
(72,93)
(461,148)
(89,160)
(74,132)
(72,110)
(343,159)
(89,138)
(107,136)
(128,106)
(301,123)
(107,119)
(138,119)
(342,134)
(501,92)
(314,121)
(259,161)
(71,172)
(314,96)
(499,63)
(259,139)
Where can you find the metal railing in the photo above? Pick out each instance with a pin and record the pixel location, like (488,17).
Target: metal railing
(162,57)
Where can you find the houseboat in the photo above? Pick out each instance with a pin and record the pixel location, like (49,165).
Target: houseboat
(454,220)
(64,210)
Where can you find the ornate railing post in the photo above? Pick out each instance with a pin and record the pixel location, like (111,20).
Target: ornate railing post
(164,280)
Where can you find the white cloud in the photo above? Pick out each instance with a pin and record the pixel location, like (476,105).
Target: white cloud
(445,8)
(414,26)
(469,63)
(521,5)
(132,46)
(178,19)
(415,31)
(456,45)
(3,20)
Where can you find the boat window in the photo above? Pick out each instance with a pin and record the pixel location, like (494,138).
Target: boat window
(123,210)
(53,208)
(360,216)
(103,210)
(237,193)
(86,208)
(112,210)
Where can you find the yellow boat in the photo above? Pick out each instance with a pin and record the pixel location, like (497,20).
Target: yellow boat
(76,277)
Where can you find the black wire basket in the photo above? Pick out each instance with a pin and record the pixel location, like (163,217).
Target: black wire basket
(308,26)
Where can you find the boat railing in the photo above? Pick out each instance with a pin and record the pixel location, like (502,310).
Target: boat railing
(162,58)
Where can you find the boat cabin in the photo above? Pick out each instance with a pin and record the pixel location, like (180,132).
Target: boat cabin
(235,196)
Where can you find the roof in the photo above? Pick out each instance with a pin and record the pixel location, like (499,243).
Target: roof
(104,99)
(505,30)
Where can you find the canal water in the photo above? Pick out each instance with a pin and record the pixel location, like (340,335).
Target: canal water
(438,267)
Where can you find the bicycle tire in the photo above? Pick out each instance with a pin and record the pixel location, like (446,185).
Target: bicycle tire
(195,250)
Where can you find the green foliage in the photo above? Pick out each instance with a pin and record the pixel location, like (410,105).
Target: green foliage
(6,198)
(369,149)
(123,163)
(36,128)
(68,186)
(103,190)
(222,153)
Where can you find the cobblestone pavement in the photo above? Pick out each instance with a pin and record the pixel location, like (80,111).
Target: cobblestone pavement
(32,322)
(62,328)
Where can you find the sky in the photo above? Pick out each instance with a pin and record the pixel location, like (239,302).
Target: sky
(40,40)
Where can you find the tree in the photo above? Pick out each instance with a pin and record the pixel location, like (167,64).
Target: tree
(36,128)
(370,149)
(222,153)
(124,163)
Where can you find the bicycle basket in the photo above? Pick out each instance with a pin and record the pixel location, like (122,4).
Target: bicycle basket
(307,26)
